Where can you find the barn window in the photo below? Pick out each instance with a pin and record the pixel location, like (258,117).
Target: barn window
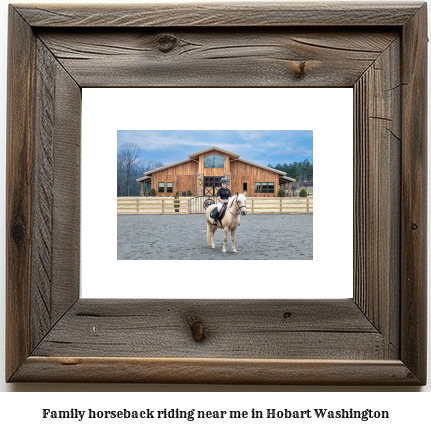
(214,161)
(161,187)
(169,187)
(264,187)
(270,187)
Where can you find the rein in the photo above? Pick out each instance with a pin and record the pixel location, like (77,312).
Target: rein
(239,207)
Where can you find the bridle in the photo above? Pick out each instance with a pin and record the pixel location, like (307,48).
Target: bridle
(239,207)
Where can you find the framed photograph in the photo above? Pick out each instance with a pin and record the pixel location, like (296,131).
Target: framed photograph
(377,337)
(185,171)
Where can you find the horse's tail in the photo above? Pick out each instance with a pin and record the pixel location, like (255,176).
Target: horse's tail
(209,228)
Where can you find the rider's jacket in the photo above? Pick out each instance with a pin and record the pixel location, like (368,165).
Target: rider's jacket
(224,193)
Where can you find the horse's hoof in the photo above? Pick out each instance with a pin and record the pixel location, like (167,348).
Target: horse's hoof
(233,251)
(213,246)
(223,251)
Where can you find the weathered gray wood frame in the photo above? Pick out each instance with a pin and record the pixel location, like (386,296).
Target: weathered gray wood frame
(378,337)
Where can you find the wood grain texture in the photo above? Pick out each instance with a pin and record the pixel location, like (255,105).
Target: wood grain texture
(43,177)
(183,177)
(55,278)
(413,190)
(67,198)
(214,172)
(216,371)
(43,184)
(220,15)
(243,172)
(52,336)
(20,198)
(215,57)
(377,149)
(238,329)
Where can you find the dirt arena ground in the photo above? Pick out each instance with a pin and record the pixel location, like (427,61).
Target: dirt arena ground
(259,237)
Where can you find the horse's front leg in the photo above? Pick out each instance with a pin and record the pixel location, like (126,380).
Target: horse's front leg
(232,233)
(226,231)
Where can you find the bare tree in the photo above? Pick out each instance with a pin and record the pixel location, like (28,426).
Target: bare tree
(130,167)
(127,157)
(149,165)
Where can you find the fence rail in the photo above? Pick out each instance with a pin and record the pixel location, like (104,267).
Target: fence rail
(280,205)
(152,205)
(165,205)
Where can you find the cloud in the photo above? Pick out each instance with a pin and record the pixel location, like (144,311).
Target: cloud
(249,135)
(261,146)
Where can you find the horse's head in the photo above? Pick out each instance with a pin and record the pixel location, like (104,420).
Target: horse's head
(241,202)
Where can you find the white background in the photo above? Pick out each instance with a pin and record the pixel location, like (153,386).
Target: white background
(411,410)
(328,112)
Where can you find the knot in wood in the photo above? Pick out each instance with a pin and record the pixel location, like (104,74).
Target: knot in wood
(167,42)
(18,233)
(299,68)
(414,226)
(197,328)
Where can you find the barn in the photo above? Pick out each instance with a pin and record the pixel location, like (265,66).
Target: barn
(202,171)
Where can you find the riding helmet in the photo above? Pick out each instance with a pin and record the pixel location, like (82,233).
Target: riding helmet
(224,180)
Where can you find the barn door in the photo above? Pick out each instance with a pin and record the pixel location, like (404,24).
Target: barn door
(211,185)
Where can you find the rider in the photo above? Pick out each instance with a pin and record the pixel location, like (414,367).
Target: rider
(223,196)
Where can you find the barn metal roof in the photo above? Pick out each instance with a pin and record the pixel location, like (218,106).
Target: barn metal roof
(143,179)
(167,166)
(287,179)
(196,155)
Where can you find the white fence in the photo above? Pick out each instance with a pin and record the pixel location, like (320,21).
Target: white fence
(152,205)
(166,205)
(280,205)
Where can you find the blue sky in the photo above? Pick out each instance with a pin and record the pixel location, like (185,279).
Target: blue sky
(258,146)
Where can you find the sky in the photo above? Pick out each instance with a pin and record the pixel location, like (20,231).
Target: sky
(258,146)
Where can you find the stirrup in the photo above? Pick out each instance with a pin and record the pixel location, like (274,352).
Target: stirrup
(215,222)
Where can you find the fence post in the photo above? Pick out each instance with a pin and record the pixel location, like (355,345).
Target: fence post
(281,206)
(252,205)
(137,205)
(163,205)
(308,205)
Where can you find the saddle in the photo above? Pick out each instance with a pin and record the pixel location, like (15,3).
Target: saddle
(221,214)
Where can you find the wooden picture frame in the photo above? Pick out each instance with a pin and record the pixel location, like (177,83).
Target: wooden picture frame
(378,337)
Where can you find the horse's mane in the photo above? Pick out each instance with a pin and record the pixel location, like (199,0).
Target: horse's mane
(233,198)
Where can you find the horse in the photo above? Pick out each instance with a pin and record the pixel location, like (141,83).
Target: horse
(235,208)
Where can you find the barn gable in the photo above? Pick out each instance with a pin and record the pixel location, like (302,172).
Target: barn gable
(195,156)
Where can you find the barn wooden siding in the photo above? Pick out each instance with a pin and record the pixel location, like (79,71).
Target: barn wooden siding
(214,172)
(183,177)
(245,173)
